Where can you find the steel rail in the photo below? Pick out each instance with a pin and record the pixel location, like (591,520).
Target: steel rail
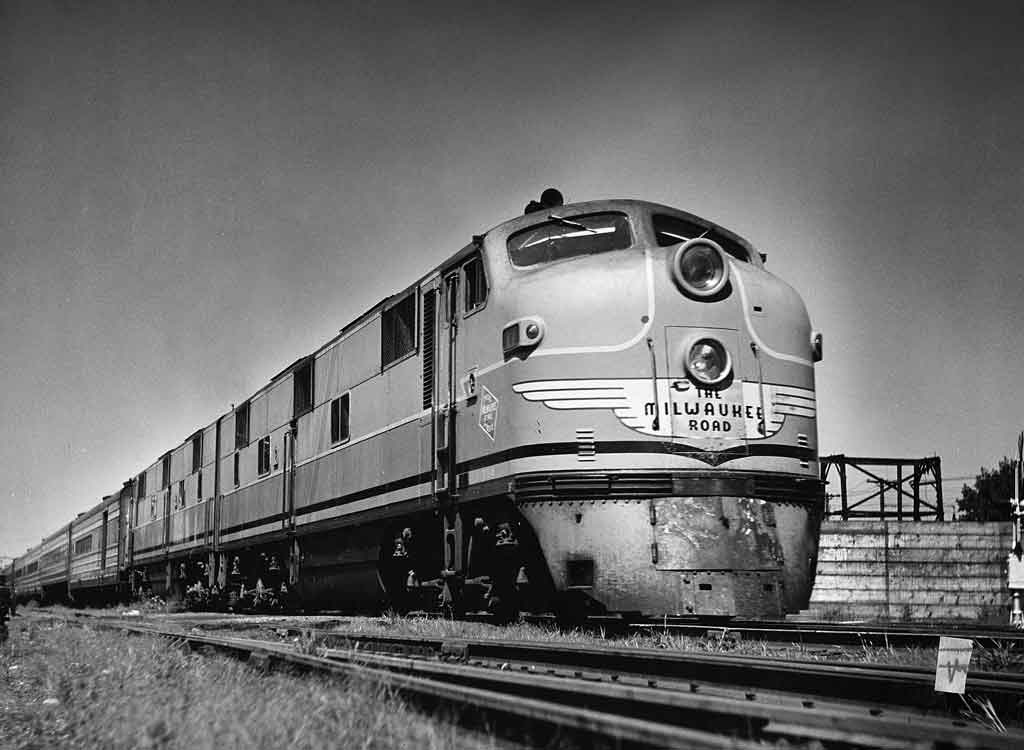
(799,720)
(833,634)
(611,708)
(885,685)
(782,631)
(796,631)
(880,685)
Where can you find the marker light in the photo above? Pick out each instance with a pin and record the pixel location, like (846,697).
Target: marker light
(816,345)
(521,335)
(699,267)
(708,362)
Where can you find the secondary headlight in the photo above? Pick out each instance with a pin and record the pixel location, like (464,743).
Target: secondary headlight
(699,267)
(708,362)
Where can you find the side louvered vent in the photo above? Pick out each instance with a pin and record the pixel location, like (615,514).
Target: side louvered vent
(429,305)
(585,444)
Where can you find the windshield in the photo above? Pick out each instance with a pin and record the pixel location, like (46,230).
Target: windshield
(568,236)
(670,230)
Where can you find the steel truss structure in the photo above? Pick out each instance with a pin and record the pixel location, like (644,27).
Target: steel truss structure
(911,474)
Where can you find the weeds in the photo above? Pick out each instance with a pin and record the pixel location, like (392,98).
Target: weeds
(983,712)
(76,687)
(1001,657)
(309,644)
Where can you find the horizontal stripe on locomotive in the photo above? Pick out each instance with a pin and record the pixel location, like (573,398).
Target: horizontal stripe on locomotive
(145,550)
(92,583)
(162,545)
(380,489)
(253,524)
(712,458)
(543,449)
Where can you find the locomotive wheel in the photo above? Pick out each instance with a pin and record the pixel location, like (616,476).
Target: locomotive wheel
(503,609)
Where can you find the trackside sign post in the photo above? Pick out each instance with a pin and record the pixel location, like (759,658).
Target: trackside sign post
(951,666)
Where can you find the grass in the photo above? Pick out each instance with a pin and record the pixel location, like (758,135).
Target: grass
(66,686)
(74,686)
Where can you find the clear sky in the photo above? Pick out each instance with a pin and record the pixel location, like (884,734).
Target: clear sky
(195,194)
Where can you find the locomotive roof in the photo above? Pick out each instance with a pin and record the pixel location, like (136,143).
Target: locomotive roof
(509,226)
(502,229)
(62,531)
(98,506)
(614,204)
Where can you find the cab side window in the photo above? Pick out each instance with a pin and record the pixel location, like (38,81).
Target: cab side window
(475,284)
(398,330)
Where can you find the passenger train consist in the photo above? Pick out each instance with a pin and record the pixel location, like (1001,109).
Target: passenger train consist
(602,407)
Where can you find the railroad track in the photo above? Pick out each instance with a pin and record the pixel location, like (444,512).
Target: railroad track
(651,698)
(832,634)
(878,686)
(783,632)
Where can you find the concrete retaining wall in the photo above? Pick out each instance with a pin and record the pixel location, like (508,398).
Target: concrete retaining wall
(912,571)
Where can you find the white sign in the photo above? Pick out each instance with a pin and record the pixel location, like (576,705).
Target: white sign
(488,412)
(951,666)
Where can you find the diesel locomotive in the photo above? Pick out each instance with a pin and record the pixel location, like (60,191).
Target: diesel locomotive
(604,407)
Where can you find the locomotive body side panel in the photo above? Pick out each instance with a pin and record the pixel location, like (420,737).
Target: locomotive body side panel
(148,532)
(255,505)
(87,550)
(94,570)
(380,451)
(27,583)
(110,565)
(53,565)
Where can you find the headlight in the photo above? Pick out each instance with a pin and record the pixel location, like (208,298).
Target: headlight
(708,362)
(699,267)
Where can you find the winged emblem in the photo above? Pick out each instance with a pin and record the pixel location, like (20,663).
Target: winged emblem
(682,410)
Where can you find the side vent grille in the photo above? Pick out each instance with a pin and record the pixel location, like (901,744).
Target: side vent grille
(604,486)
(429,324)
